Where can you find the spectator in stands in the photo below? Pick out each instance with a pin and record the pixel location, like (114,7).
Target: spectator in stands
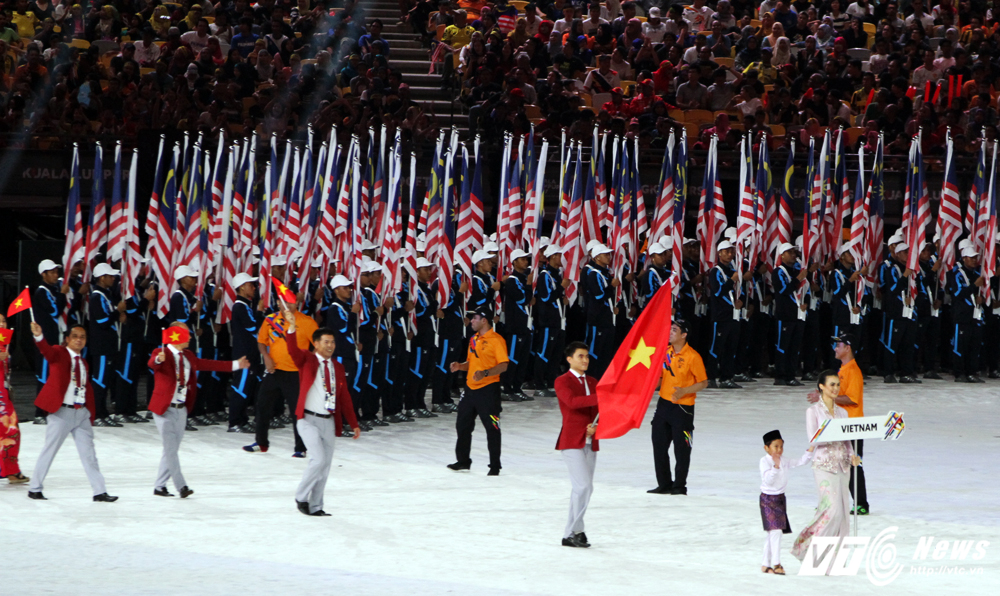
(603,79)
(692,95)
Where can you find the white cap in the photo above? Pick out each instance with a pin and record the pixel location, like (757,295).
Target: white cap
(901,246)
(937,236)
(517,253)
(104,269)
(724,245)
(964,244)
(371,267)
(279,260)
(543,242)
(242,278)
(654,13)
(896,238)
(422,237)
(318,262)
(480,255)
(339,281)
(256,250)
(368,245)
(493,237)
(798,241)
(657,249)
(115,255)
(46,265)
(365,259)
(785,247)
(592,244)
(553,249)
(730,234)
(844,248)
(690,241)
(491,247)
(421,246)
(599,249)
(422,262)
(183,271)
(970,252)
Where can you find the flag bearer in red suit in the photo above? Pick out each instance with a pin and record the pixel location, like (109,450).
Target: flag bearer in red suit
(10,433)
(68,398)
(175,375)
(324,402)
(577,395)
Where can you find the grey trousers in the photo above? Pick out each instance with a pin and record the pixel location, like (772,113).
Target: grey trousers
(171,426)
(61,424)
(317,434)
(581,463)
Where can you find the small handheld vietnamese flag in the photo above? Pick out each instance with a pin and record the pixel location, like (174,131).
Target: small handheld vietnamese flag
(623,393)
(283,292)
(21,303)
(5,335)
(176,335)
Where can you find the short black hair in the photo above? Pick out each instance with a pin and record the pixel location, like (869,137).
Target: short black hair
(321,332)
(823,376)
(72,327)
(573,346)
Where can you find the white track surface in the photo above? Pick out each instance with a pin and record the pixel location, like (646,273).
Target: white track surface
(404,524)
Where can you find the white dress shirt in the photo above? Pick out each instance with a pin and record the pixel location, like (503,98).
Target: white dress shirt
(774,480)
(583,379)
(320,397)
(76,391)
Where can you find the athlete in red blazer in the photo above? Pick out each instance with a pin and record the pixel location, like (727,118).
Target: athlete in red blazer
(50,398)
(165,378)
(308,367)
(578,410)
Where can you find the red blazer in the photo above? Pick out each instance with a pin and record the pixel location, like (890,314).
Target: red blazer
(50,398)
(578,410)
(308,367)
(165,379)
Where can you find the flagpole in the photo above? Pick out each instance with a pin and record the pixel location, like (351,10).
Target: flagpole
(31,309)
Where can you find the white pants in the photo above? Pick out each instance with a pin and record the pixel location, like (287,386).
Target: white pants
(61,424)
(317,434)
(581,463)
(772,549)
(171,426)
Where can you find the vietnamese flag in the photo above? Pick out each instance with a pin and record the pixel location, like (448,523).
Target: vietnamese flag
(5,335)
(22,303)
(283,292)
(623,393)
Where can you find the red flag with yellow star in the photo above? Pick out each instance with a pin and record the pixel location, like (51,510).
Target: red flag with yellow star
(21,303)
(175,335)
(283,292)
(5,335)
(623,393)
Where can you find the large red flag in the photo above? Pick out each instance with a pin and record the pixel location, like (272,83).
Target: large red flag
(623,393)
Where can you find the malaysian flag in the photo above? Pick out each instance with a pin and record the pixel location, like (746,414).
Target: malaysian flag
(841,193)
(218,186)
(983,214)
(622,217)
(746,219)
(291,223)
(784,202)
(312,208)
(767,211)
(265,236)
(161,242)
(192,211)
(810,208)
(228,237)
(859,225)
(329,206)
(74,248)
(711,210)
(919,214)
(591,213)
(665,196)
(117,225)
(470,217)
(640,228)
(988,267)
(978,189)
(875,235)
(130,251)
(378,198)
(445,257)
(570,241)
(949,214)
(393,234)
(153,211)
(203,212)
(678,211)
(97,230)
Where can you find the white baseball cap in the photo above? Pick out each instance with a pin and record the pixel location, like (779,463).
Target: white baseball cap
(690,241)
(592,244)
(279,260)
(422,262)
(517,253)
(844,248)
(256,250)
(970,252)
(785,247)
(371,266)
(730,234)
(657,249)
(543,242)
(599,249)
(242,278)
(553,249)
(318,262)
(492,237)
(964,244)
(339,281)
(368,245)
(491,247)
(480,255)
(182,272)
(421,246)
(46,265)
(901,246)
(724,245)
(896,238)
(104,269)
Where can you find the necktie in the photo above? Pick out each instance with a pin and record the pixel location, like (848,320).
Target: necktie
(77,372)
(327,386)
(179,365)
(586,389)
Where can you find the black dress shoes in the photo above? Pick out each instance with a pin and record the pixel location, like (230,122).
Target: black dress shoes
(794,383)
(162,492)
(659,490)
(493,472)
(320,513)
(457,466)
(583,536)
(679,491)
(186,492)
(38,496)
(575,542)
(302,506)
(104,498)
